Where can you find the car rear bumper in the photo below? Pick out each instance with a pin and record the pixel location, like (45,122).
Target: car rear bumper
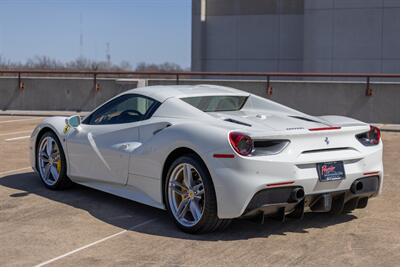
(238,180)
(282,201)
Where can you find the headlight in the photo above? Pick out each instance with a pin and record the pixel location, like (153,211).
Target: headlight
(370,138)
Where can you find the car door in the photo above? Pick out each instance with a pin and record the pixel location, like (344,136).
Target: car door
(100,148)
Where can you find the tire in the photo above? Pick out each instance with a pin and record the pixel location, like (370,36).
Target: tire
(181,200)
(224,224)
(57,163)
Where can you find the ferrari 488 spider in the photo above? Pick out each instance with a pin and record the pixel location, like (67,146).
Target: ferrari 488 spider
(208,154)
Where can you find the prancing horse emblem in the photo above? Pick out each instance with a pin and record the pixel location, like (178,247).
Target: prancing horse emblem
(327,140)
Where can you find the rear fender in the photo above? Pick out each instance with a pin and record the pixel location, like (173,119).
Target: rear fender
(148,160)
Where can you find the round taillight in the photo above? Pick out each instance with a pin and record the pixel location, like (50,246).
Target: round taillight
(241,143)
(374,135)
(370,138)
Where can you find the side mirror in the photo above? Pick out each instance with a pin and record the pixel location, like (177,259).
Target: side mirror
(73,121)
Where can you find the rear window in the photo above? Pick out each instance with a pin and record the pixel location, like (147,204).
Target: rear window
(216,103)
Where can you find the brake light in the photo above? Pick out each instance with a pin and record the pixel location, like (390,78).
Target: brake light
(324,129)
(241,143)
(370,138)
(371,173)
(280,184)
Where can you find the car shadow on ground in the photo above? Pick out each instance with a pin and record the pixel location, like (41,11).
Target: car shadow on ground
(121,212)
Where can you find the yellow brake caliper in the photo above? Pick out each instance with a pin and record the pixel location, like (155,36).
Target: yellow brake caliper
(59,165)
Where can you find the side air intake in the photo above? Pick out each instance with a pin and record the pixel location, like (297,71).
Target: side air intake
(237,122)
(270,147)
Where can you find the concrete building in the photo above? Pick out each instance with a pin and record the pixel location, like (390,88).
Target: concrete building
(296,35)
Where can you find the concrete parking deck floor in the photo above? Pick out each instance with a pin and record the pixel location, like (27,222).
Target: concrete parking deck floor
(81,226)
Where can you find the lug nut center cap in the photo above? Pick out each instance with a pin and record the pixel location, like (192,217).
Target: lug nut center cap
(191,194)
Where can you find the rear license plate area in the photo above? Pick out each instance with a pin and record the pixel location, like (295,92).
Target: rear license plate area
(331,171)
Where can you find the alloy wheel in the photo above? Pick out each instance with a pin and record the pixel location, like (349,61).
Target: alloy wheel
(186,194)
(49,161)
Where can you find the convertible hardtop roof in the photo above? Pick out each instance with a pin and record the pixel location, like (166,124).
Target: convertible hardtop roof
(163,92)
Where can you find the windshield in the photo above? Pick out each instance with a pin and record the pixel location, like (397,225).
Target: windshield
(216,103)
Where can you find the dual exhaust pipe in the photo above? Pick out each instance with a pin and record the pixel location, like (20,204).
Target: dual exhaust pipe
(324,202)
(357,187)
(297,194)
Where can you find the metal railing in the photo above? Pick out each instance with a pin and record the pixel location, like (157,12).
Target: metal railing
(179,74)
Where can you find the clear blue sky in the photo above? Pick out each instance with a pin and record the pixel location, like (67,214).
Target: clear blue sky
(153,31)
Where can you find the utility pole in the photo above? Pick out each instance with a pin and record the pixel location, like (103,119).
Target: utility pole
(80,36)
(108,54)
(1,42)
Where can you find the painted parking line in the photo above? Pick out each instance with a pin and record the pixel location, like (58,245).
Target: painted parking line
(20,132)
(17,138)
(30,119)
(95,243)
(16,170)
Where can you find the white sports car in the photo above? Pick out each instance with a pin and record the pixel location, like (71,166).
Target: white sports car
(209,154)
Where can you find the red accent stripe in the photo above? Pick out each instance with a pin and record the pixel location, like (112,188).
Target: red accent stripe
(324,129)
(279,184)
(371,173)
(224,156)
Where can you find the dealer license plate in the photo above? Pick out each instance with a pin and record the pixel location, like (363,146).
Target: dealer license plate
(331,171)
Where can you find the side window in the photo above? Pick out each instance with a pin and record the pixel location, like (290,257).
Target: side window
(124,109)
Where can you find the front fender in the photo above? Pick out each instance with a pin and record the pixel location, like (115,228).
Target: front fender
(55,124)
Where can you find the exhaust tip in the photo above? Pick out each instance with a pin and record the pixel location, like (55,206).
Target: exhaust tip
(297,194)
(356,187)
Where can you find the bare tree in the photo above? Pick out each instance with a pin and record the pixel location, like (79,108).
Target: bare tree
(43,62)
(82,63)
(164,67)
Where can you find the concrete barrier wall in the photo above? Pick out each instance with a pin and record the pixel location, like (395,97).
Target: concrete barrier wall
(315,98)
(70,94)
